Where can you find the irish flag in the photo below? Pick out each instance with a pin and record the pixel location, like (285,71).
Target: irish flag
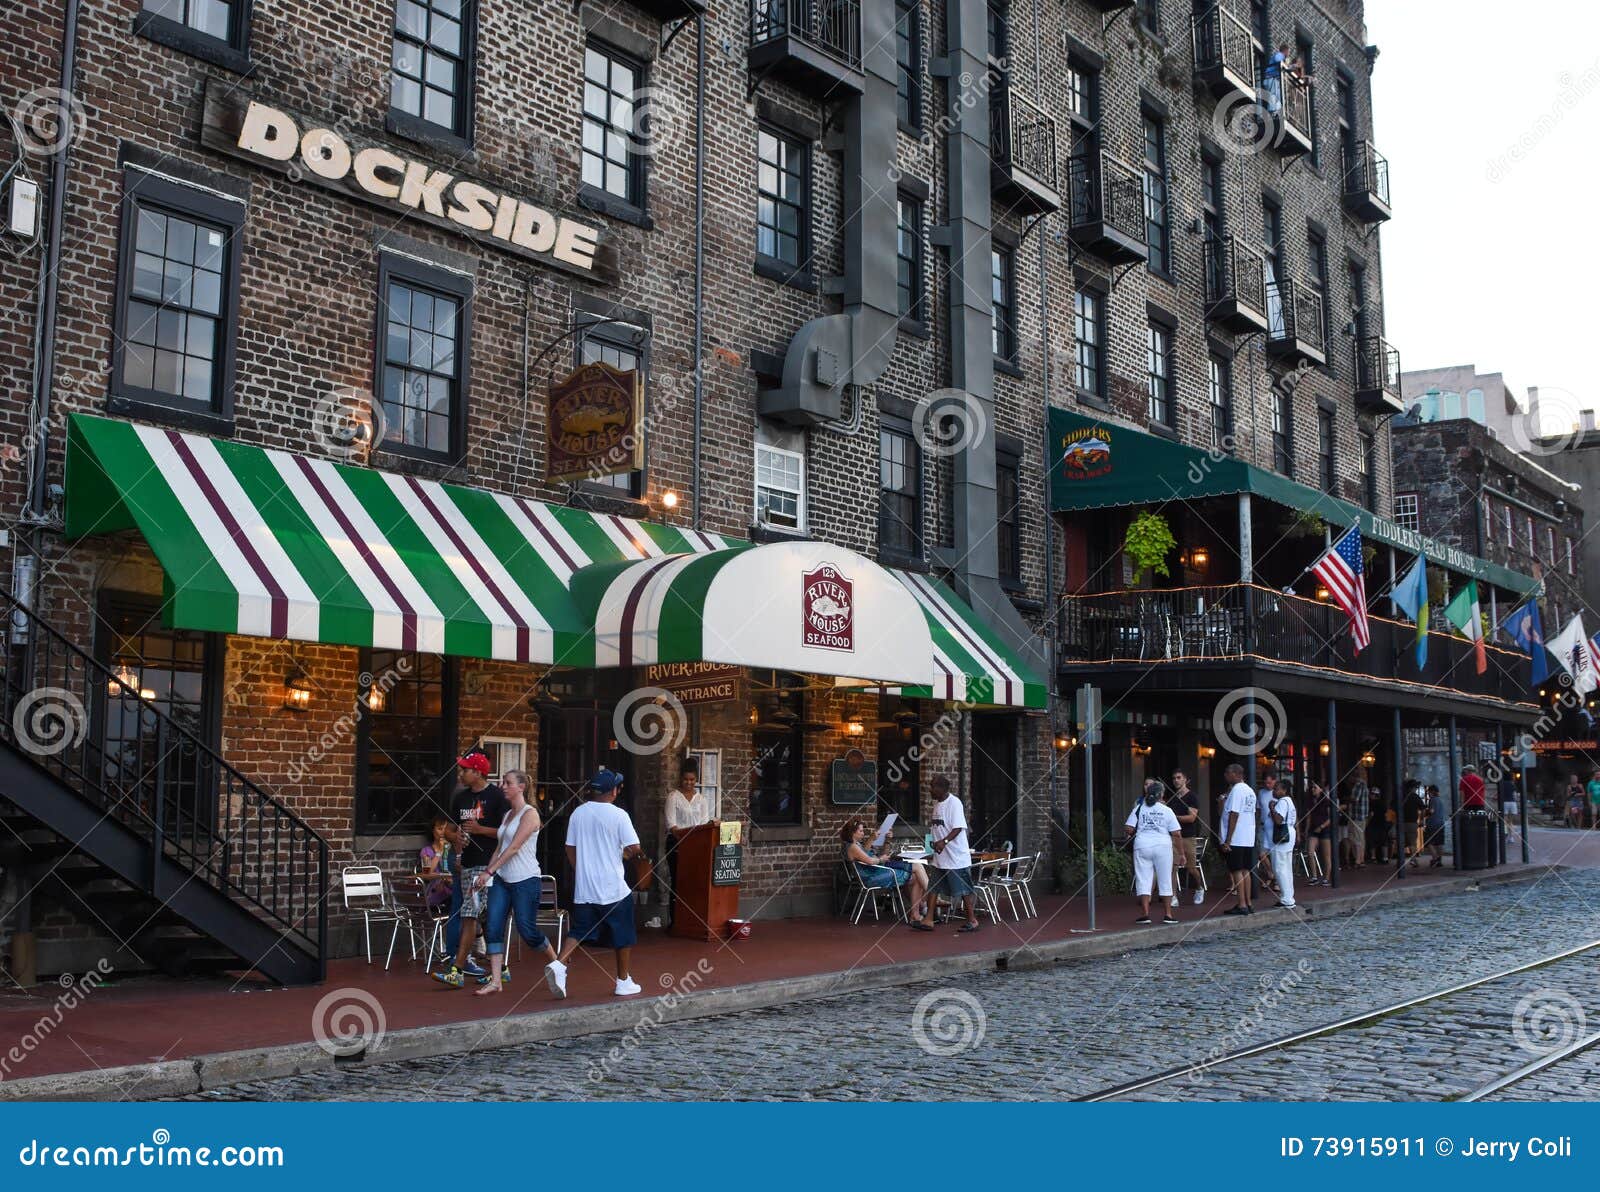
(1463,612)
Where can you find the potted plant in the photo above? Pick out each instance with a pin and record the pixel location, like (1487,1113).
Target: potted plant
(1147,544)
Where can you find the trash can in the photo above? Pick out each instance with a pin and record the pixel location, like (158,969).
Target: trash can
(1473,828)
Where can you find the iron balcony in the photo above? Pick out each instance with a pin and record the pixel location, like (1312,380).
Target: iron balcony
(1378,376)
(813,44)
(1022,150)
(1290,125)
(1236,296)
(1223,55)
(1107,207)
(1366,183)
(1294,324)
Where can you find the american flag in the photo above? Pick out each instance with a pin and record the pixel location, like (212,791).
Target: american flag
(1339,569)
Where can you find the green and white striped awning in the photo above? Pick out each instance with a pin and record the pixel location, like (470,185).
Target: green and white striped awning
(271,544)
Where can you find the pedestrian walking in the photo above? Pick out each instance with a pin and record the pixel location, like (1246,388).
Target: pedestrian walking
(1284,817)
(513,883)
(478,809)
(1433,841)
(1319,832)
(1355,832)
(1156,836)
(600,838)
(952,856)
(1413,812)
(1594,799)
(1185,805)
(1239,836)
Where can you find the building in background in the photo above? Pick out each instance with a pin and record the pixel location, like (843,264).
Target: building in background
(1461,391)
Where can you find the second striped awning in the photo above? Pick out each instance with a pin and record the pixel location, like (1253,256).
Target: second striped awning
(272,544)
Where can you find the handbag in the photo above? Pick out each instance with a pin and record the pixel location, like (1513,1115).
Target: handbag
(1280,833)
(639,871)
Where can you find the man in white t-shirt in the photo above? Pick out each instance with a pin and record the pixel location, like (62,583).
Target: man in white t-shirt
(952,856)
(1155,832)
(600,836)
(1239,836)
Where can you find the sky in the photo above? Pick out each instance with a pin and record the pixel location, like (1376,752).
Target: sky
(1489,114)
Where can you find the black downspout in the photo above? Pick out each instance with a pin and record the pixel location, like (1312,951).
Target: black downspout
(699,259)
(45,342)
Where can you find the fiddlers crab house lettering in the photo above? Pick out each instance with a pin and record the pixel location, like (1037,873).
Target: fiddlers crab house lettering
(310,150)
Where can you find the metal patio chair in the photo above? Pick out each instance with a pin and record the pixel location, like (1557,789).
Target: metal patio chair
(367,894)
(865,894)
(1013,880)
(409,899)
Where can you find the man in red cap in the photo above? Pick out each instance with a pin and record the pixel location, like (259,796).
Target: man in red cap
(478,807)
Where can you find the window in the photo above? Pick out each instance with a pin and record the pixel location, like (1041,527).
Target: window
(1325,434)
(622,346)
(899,493)
(1260,36)
(1219,390)
(429,82)
(406,738)
(1572,567)
(999,42)
(908,61)
(214,30)
(1532,550)
(1080,92)
(1475,407)
(177,298)
(778,740)
(899,758)
(780,488)
(1488,519)
(424,316)
(1345,103)
(1317,253)
(1150,16)
(1550,544)
(1369,468)
(1088,322)
(1003,297)
(611,83)
(782,198)
(1157,230)
(1307,54)
(1405,511)
(1505,522)
(909,279)
(1358,303)
(1282,434)
(1008,518)
(1158,374)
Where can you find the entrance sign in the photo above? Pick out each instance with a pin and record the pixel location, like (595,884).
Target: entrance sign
(593,423)
(828,607)
(695,682)
(308,151)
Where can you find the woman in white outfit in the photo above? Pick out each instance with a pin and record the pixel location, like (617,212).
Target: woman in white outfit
(1284,831)
(1156,832)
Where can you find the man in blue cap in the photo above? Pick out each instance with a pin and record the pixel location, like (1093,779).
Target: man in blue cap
(600,836)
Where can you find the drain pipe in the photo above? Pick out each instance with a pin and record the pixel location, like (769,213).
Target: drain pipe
(44,350)
(699,259)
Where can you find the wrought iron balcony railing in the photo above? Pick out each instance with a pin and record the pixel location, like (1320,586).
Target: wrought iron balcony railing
(1223,54)
(1022,144)
(811,42)
(1378,374)
(1294,322)
(1236,286)
(1106,206)
(1366,182)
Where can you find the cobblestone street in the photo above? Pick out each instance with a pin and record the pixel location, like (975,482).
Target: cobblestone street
(1084,1026)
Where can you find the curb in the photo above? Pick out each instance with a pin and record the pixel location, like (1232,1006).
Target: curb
(177,1078)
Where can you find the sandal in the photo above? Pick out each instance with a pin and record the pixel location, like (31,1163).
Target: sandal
(920,927)
(965,928)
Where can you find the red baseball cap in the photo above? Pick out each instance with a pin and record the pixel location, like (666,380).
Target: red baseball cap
(475,761)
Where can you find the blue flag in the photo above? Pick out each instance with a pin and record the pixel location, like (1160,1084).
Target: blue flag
(1410,596)
(1525,630)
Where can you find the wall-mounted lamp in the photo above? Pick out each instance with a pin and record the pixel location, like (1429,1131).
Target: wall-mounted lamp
(1324,748)
(1207,752)
(1065,742)
(669,500)
(1322,593)
(854,728)
(124,684)
(377,699)
(1368,760)
(1199,557)
(296,691)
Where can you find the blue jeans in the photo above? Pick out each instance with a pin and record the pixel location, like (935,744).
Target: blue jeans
(452,929)
(519,898)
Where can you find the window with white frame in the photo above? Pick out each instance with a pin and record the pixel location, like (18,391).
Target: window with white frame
(1571,566)
(780,488)
(1532,548)
(1405,511)
(1550,544)
(1505,523)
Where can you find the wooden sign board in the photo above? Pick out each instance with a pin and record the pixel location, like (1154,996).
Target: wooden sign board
(593,423)
(853,780)
(727,865)
(695,682)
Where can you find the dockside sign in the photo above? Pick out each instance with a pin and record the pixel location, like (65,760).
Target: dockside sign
(303,148)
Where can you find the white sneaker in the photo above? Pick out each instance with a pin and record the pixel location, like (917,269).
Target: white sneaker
(1199,897)
(1173,901)
(627,987)
(555,976)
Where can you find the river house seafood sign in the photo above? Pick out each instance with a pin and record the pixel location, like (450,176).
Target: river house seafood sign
(827,605)
(593,423)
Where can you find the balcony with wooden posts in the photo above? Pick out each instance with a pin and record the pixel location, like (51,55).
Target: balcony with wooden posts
(815,45)
(1223,54)
(1236,286)
(1366,183)
(1378,376)
(1294,324)
(1106,201)
(1022,150)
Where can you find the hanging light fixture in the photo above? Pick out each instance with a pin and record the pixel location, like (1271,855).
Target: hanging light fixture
(124,683)
(296,691)
(1199,557)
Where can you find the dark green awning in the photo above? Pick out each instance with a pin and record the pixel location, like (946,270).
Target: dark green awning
(1098,464)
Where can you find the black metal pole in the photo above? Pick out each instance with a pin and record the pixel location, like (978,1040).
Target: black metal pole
(1331,793)
(1522,803)
(1455,800)
(1399,766)
(1498,803)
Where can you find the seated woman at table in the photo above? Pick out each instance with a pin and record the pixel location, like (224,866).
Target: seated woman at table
(882,869)
(438,857)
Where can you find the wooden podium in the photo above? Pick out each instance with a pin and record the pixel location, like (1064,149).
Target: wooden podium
(708,883)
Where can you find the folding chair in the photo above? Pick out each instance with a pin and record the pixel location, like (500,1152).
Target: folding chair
(410,903)
(367,893)
(865,894)
(1013,880)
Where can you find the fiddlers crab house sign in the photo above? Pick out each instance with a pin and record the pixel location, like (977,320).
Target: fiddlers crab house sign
(307,149)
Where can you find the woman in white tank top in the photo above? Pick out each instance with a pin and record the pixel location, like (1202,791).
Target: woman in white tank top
(512,877)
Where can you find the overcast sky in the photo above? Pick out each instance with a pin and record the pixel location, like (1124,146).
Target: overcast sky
(1489,114)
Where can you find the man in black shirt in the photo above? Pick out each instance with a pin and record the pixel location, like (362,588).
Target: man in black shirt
(478,807)
(1185,805)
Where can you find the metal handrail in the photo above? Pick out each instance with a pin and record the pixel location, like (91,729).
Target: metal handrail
(1366,172)
(1022,135)
(1235,270)
(1294,312)
(168,786)
(1220,38)
(831,27)
(1108,190)
(1377,365)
